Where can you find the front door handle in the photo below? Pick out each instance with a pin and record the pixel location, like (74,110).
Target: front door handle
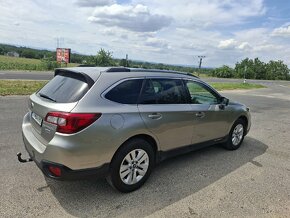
(155,116)
(200,114)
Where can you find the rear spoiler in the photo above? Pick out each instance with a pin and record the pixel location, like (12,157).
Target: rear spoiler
(76,75)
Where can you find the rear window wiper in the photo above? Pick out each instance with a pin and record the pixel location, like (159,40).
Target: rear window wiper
(46,96)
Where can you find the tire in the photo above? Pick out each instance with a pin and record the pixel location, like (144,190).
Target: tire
(131,165)
(236,135)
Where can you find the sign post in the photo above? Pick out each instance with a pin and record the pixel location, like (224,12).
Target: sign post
(63,55)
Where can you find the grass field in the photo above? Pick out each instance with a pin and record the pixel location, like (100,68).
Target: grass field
(233,86)
(14,63)
(26,87)
(19,87)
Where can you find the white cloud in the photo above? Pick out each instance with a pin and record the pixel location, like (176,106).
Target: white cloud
(228,44)
(282,31)
(16,23)
(94,3)
(137,18)
(155,42)
(208,13)
(244,46)
(231,44)
(168,31)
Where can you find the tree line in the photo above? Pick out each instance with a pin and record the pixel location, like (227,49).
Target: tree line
(254,69)
(105,58)
(102,58)
(247,68)
(37,53)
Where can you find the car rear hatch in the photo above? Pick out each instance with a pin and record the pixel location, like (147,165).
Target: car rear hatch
(61,94)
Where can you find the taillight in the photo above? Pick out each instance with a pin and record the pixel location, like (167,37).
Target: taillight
(55,171)
(71,122)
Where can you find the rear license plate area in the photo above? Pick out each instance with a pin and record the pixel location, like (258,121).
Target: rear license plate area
(36,118)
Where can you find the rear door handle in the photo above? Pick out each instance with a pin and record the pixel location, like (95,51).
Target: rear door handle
(155,116)
(200,114)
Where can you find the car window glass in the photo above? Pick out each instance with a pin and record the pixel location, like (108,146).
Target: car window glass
(163,91)
(199,94)
(64,89)
(126,92)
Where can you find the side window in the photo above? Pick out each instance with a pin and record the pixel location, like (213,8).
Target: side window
(163,91)
(199,94)
(126,92)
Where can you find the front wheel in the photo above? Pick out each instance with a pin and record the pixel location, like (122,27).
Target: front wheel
(131,165)
(236,135)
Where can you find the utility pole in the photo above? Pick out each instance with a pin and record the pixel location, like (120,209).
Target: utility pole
(245,71)
(200,62)
(127,64)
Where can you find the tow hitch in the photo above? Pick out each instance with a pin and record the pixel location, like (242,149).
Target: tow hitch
(23,160)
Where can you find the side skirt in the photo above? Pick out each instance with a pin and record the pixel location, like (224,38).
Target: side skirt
(163,155)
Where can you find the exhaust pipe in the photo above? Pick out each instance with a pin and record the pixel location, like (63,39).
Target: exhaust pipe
(23,160)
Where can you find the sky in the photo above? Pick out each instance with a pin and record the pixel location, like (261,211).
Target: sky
(163,31)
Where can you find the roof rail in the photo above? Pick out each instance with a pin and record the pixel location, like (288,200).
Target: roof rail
(118,69)
(86,65)
(161,71)
(124,69)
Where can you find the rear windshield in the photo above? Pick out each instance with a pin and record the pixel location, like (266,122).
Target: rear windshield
(64,89)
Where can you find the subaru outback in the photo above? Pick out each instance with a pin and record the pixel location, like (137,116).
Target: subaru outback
(119,122)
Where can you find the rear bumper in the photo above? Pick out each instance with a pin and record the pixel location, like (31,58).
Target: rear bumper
(69,174)
(48,155)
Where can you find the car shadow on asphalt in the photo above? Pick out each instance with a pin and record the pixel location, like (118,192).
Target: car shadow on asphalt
(171,181)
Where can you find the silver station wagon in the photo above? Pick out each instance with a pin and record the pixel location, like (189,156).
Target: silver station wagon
(119,122)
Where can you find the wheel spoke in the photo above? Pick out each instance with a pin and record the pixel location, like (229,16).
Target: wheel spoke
(125,173)
(133,155)
(144,166)
(134,177)
(140,154)
(235,140)
(124,167)
(141,171)
(128,179)
(240,137)
(144,157)
(128,158)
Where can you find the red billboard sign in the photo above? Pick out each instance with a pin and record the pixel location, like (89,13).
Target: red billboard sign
(63,55)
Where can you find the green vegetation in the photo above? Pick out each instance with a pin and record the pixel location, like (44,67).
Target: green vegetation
(254,69)
(14,63)
(37,53)
(27,87)
(234,86)
(104,58)
(19,87)
(45,60)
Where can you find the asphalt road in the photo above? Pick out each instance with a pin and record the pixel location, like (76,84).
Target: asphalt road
(26,75)
(252,181)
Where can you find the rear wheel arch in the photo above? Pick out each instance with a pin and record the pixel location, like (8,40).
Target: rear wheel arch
(146,138)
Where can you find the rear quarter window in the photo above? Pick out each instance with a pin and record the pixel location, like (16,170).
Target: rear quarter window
(126,92)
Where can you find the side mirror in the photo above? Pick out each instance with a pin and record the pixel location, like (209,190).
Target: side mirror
(223,102)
